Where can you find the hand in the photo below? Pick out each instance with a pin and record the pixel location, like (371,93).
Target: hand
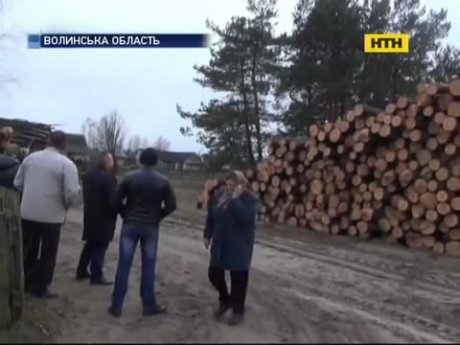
(236,193)
(206,243)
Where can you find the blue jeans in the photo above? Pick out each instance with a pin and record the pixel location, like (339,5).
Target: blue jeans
(131,234)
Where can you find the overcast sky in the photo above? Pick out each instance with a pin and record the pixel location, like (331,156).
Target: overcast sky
(66,86)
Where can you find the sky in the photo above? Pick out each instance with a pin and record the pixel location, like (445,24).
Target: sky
(65,86)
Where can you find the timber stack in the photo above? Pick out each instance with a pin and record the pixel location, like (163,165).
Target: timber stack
(31,135)
(392,172)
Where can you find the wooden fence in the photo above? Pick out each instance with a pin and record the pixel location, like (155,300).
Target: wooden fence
(11,269)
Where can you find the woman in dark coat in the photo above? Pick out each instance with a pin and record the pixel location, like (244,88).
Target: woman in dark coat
(230,229)
(99,218)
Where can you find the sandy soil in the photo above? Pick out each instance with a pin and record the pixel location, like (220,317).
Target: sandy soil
(303,288)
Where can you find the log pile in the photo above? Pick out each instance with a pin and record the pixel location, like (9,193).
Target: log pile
(392,172)
(27,134)
(203,198)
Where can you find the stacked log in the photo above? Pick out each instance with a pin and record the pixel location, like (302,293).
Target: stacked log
(27,134)
(202,200)
(392,172)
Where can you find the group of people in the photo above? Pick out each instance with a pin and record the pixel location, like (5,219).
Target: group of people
(48,183)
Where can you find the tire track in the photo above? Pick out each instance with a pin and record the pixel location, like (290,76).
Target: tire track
(319,291)
(389,310)
(353,262)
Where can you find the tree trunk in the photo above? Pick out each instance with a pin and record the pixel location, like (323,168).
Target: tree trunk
(247,126)
(256,109)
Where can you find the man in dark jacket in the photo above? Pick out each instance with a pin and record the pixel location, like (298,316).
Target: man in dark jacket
(144,198)
(99,218)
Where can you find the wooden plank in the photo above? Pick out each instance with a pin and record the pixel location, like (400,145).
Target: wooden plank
(16,269)
(5,311)
(11,267)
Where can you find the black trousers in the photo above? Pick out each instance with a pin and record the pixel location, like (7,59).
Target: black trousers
(238,287)
(92,255)
(40,246)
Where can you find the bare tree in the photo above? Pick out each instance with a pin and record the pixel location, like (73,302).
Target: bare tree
(129,145)
(145,143)
(89,130)
(107,134)
(162,144)
(133,145)
(136,144)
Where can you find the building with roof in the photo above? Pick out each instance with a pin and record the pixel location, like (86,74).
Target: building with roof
(77,148)
(178,161)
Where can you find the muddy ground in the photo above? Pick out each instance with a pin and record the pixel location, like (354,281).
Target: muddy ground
(304,287)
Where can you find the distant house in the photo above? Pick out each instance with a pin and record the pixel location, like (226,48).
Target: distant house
(122,159)
(178,161)
(77,148)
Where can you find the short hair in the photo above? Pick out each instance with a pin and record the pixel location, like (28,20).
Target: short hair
(148,157)
(98,159)
(57,139)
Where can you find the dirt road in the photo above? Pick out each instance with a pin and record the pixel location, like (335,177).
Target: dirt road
(309,289)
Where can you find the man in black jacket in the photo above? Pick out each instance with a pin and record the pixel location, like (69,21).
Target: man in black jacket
(144,198)
(99,218)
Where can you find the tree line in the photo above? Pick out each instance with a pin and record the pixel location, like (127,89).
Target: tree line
(110,134)
(278,84)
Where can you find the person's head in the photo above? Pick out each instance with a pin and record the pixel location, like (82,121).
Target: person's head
(148,157)
(6,135)
(103,161)
(234,179)
(58,140)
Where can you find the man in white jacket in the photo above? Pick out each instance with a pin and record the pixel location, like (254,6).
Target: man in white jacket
(49,184)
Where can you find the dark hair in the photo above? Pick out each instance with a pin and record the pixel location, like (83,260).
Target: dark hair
(148,157)
(57,139)
(98,160)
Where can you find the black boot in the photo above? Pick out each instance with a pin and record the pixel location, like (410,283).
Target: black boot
(82,275)
(44,295)
(236,319)
(153,311)
(221,310)
(114,312)
(101,281)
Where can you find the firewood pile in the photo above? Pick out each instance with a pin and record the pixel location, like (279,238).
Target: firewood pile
(202,200)
(392,172)
(28,134)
